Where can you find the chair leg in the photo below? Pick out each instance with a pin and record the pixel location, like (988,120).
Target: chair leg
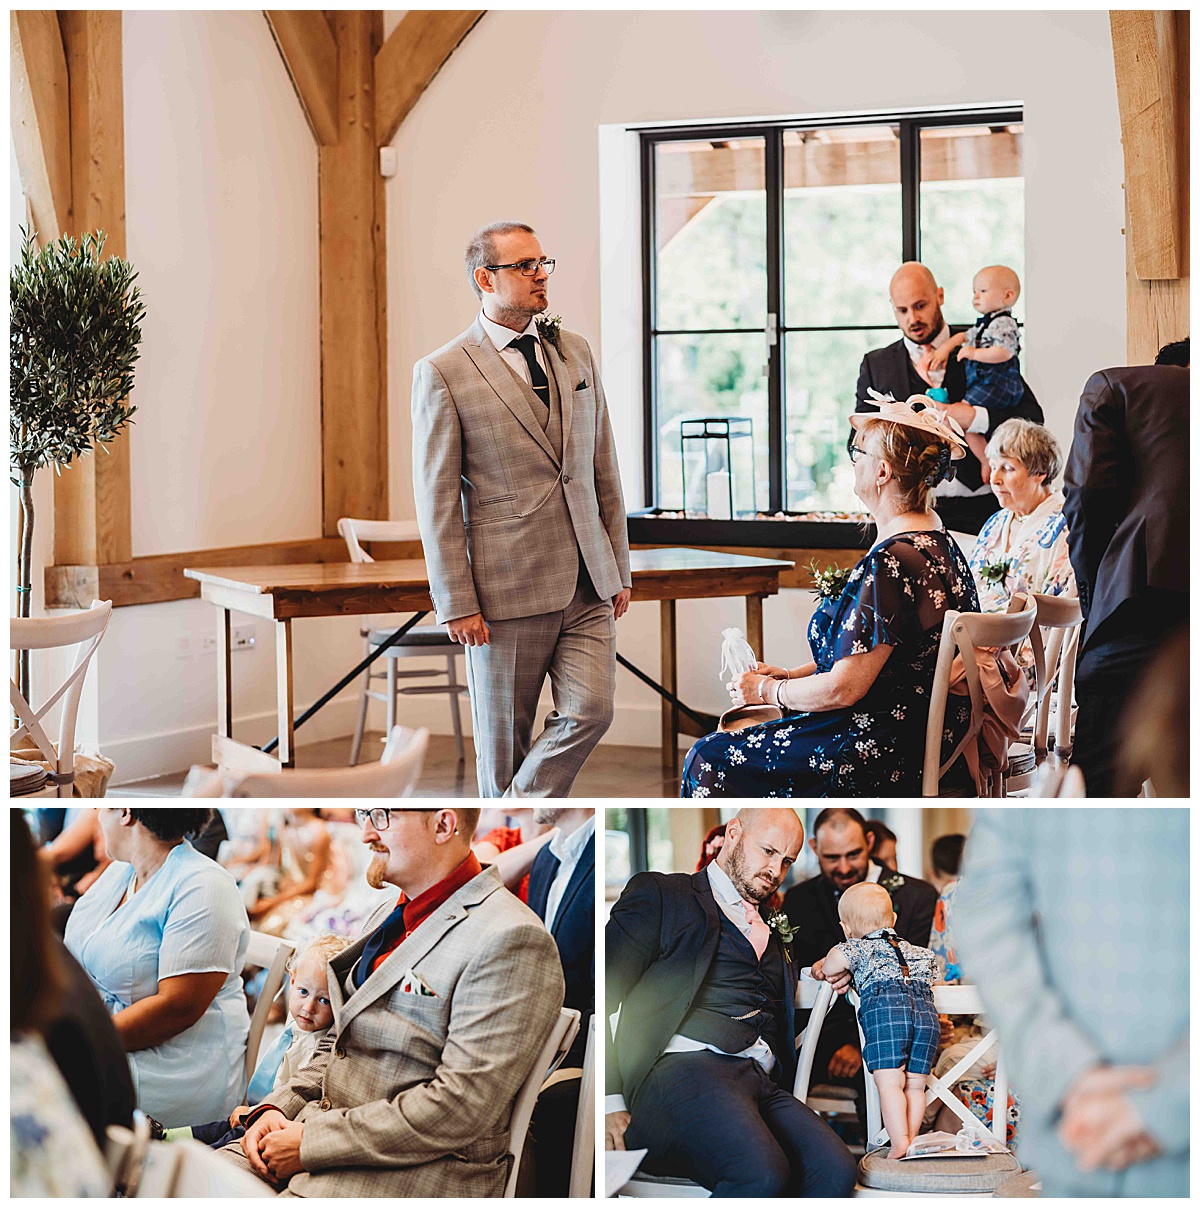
(393,684)
(356,745)
(455,712)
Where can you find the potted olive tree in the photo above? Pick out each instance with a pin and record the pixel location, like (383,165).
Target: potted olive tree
(74,330)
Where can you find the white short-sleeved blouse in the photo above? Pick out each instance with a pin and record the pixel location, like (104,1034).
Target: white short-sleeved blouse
(187,918)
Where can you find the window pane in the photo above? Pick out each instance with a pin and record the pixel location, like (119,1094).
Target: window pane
(702,376)
(972,208)
(822,371)
(711,234)
(842,224)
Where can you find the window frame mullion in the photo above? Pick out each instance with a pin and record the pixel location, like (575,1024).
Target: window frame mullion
(776,442)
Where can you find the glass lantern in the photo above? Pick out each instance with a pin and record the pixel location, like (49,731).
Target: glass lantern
(718,467)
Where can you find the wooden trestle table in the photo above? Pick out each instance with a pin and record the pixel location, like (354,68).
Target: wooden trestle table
(282,593)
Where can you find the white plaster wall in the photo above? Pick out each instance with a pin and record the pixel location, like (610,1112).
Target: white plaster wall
(221,224)
(524,142)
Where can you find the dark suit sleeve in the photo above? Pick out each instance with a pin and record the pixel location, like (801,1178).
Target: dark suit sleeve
(924,902)
(1096,481)
(864,381)
(630,948)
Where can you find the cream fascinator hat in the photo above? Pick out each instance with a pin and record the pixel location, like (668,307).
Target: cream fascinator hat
(921,412)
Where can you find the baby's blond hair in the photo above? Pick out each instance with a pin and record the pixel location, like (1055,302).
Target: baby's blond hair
(326,946)
(864,908)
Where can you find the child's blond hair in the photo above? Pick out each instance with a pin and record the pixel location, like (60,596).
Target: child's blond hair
(326,945)
(865,907)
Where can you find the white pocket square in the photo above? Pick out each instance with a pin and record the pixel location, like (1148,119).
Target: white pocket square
(414,983)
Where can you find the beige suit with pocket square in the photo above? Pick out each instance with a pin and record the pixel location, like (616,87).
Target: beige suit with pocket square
(411,1091)
(522,520)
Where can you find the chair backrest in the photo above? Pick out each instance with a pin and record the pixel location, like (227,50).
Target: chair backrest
(1061,616)
(553,1051)
(353,532)
(583,1150)
(811,1036)
(84,629)
(270,953)
(395,775)
(963,633)
(125,1153)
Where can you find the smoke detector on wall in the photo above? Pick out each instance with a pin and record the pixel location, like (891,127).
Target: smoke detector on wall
(387,161)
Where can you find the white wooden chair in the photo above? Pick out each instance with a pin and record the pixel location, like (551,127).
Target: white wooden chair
(82,629)
(963,633)
(272,954)
(395,775)
(1054,639)
(422,641)
(583,1151)
(557,1045)
(125,1153)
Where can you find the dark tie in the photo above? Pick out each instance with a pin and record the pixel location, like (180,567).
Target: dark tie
(537,375)
(388,932)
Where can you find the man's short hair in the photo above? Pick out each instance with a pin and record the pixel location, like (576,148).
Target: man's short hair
(468,821)
(481,251)
(837,813)
(1178,352)
(1033,445)
(946,854)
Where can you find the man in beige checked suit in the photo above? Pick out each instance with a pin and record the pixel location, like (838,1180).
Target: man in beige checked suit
(519,504)
(440,1010)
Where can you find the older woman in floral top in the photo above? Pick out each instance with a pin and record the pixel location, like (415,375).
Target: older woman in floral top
(1023,547)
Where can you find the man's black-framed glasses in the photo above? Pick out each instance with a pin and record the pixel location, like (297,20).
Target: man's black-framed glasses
(527,268)
(379,818)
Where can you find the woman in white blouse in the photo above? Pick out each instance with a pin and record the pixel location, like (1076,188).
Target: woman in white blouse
(1023,547)
(163,934)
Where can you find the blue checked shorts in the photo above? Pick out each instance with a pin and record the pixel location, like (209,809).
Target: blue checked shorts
(999,388)
(900,1024)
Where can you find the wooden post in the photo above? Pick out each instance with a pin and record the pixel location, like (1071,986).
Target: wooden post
(354,289)
(670,715)
(754,625)
(283,693)
(92,523)
(1151,58)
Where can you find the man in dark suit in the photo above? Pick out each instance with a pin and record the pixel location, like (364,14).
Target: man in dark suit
(902,369)
(843,848)
(701,1066)
(562,894)
(1126,487)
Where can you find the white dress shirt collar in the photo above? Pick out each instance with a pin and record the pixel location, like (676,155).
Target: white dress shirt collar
(500,336)
(568,848)
(723,888)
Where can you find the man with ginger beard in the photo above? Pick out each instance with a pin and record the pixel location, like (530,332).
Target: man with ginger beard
(440,1009)
(701,1068)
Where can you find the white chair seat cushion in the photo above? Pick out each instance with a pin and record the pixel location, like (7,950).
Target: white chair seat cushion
(421,635)
(937,1176)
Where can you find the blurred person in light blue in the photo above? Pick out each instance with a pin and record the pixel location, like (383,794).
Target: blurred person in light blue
(1074,925)
(163,934)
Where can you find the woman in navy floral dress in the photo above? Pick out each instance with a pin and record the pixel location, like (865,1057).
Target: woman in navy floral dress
(854,718)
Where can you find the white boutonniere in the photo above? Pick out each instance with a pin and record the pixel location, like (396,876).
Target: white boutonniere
(782,926)
(550,328)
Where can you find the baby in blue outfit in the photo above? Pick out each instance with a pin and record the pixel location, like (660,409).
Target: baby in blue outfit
(894,980)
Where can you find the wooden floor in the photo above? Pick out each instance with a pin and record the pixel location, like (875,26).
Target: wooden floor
(620,772)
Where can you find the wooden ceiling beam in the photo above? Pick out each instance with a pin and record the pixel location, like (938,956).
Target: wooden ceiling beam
(39,95)
(407,62)
(1145,56)
(309,51)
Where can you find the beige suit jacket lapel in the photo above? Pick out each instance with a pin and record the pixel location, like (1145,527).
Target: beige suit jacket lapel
(417,946)
(487,360)
(566,390)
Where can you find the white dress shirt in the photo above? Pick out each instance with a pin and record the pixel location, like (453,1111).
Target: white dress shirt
(978,424)
(502,338)
(566,849)
(729,901)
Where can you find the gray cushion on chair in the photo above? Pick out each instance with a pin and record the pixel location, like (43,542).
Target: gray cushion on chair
(421,635)
(1020,1187)
(1021,759)
(937,1176)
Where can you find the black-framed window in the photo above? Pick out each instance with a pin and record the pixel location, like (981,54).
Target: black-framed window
(766,253)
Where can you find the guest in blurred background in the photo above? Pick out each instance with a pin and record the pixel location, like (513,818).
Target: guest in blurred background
(1074,926)
(883,843)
